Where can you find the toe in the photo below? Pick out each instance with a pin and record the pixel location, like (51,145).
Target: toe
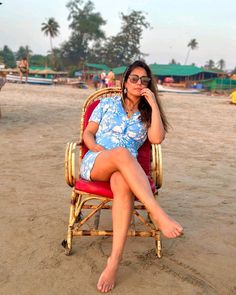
(99,286)
(107,288)
(179,228)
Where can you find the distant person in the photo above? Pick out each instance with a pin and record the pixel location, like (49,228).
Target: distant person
(103,79)
(96,81)
(24,68)
(106,81)
(111,78)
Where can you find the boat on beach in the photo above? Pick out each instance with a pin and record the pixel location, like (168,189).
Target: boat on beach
(31,80)
(162,88)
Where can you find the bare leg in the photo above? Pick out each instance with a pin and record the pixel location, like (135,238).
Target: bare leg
(122,208)
(120,159)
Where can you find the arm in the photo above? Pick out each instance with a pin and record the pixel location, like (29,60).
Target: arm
(156,131)
(89,137)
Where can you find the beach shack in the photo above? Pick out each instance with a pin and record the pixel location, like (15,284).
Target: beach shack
(186,76)
(173,75)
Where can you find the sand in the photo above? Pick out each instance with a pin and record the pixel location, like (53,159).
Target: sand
(199,191)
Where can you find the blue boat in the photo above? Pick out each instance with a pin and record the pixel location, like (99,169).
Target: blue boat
(30,80)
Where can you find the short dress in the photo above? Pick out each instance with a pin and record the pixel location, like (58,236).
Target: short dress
(115,130)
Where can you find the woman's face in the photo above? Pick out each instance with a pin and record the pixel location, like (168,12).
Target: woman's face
(134,84)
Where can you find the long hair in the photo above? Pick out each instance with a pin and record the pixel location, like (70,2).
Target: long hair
(143,106)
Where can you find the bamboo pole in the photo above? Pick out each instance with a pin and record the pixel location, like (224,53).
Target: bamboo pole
(66,164)
(69,163)
(131,233)
(148,225)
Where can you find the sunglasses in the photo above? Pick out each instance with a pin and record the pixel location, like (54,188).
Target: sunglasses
(144,79)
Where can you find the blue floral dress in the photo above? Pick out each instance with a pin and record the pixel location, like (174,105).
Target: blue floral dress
(115,130)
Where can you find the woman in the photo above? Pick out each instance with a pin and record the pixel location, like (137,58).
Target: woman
(117,128)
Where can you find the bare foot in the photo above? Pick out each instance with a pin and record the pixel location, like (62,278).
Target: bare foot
(107,279)
(169,227)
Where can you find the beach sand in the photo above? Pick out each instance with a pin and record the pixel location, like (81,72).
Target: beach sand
(199,191)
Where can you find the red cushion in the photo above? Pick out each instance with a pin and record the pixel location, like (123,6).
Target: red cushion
(144,157)
(87,115)
(100,188)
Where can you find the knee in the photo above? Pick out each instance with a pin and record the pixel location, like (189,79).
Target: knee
(122,154)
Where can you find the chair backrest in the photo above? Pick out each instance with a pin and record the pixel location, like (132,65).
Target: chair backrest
(144,153)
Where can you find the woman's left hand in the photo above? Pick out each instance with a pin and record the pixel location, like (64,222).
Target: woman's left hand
(149,96)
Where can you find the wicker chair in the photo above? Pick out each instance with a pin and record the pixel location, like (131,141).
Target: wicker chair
(97,196)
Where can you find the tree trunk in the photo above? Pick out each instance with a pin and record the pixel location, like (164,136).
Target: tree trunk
(187,56)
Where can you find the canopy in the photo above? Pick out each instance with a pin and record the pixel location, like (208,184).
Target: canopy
(98,66)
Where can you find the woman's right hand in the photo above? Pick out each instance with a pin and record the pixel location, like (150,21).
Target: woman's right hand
(97,148)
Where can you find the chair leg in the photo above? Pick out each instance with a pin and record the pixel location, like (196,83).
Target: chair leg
(158,244)
(67,244)
(97,219)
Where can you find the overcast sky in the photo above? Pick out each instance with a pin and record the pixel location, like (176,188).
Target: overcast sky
(174,23)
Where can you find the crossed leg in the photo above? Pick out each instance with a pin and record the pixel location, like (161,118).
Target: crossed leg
(123,203)
(127,178)
(120,159)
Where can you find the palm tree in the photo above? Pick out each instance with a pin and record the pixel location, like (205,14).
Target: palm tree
(221,64)
(51,28)
(210,64)
(193,44)
(173,62)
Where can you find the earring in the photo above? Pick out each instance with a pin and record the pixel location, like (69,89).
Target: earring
(125,91)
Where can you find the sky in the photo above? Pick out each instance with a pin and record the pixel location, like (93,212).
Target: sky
(174,23)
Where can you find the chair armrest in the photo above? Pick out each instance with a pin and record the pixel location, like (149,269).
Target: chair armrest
(156,165)
(73,149)
(71,165)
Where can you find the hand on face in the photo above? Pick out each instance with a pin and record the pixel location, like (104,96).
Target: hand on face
(149,96)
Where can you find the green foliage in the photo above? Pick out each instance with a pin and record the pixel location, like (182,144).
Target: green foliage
(1,58)
(123,48)
(72,70)
(210,64)
(23,52)
(8,57)
(216,66)
(50,28)
(84,21)
(56,60)
(193,44)
(221,64)
(38,60)
(173,62)
(86,30)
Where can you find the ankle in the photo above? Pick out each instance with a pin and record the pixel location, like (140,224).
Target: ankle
(114,259)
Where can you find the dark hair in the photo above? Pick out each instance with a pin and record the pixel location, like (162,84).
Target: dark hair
(143,106)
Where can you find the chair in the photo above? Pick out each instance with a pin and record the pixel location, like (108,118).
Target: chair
(97,196)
